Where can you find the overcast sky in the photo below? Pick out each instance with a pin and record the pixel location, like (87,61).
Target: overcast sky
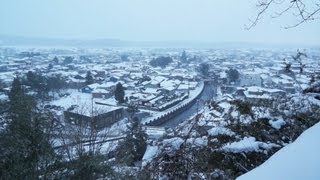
(149,20)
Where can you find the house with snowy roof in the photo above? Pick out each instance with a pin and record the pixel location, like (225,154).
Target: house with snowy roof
(98,116)
(260,96)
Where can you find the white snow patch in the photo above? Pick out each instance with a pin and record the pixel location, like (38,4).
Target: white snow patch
(150,153)
(299,160)
(175,143)
(235,114)
(248,144)
(225,105)
(220,131)
(198,142)
(3,97)
(246,119)
(277,123)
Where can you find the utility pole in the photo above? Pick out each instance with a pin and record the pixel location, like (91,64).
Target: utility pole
(188,88)
(91,105)
(197,107)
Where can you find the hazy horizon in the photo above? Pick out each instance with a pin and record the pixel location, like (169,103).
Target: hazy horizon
(150,21)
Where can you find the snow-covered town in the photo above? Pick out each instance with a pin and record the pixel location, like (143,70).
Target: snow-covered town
(228,101)
(159,90)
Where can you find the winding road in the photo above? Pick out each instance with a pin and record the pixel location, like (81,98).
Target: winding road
(208,93)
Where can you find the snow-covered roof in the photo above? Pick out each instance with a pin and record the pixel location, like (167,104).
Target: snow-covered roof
(151,91)
(94,86)
(169,85)
(261,89)
(159,79)
(84,104)
(223,74)
(98,90)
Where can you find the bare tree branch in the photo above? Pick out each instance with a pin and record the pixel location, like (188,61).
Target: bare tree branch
(264,5)
(303,10)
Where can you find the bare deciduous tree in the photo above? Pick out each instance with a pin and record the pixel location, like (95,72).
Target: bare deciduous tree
(302,10)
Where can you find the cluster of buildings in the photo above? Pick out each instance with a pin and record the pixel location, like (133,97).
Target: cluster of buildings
(153,89)
(263,74)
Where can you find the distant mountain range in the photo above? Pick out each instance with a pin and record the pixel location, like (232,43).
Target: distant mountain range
(6,40)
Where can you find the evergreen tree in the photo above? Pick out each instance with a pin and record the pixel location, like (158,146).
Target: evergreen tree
(183,57)
(2,85)
(119,93)
(31,78)
(68,60)
(23,144)
(21,105)
(50,66)
(124,57)
(38,83)
(134,146)
(161,61)
(204,69)
(89,78)
(55,83)
(56,60)
(90,166)
(233,75)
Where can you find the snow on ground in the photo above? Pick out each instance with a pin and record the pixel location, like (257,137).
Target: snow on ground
(198,142)
(313,100)
(155,132)
(299,160)
(277,123)
(220,131)
(150,153)
(117,129)
(248,144)
(261,112)
(245,119)
(108,147)
(174,143)
(7,77)
(75,97)
(3,97)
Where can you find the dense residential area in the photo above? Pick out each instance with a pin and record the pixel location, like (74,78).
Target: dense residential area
(159,90)
(143,112)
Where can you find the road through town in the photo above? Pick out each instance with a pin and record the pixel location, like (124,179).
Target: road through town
(208,93)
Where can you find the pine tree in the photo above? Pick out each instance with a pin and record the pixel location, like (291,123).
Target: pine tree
(56,60)
(2,85)
(204,69)
(119,93)
(89,78)
(183,57)
(50,66)
(90,166)
(233,75)
(23,144)
(21,105)
(134,146)
(38,83)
